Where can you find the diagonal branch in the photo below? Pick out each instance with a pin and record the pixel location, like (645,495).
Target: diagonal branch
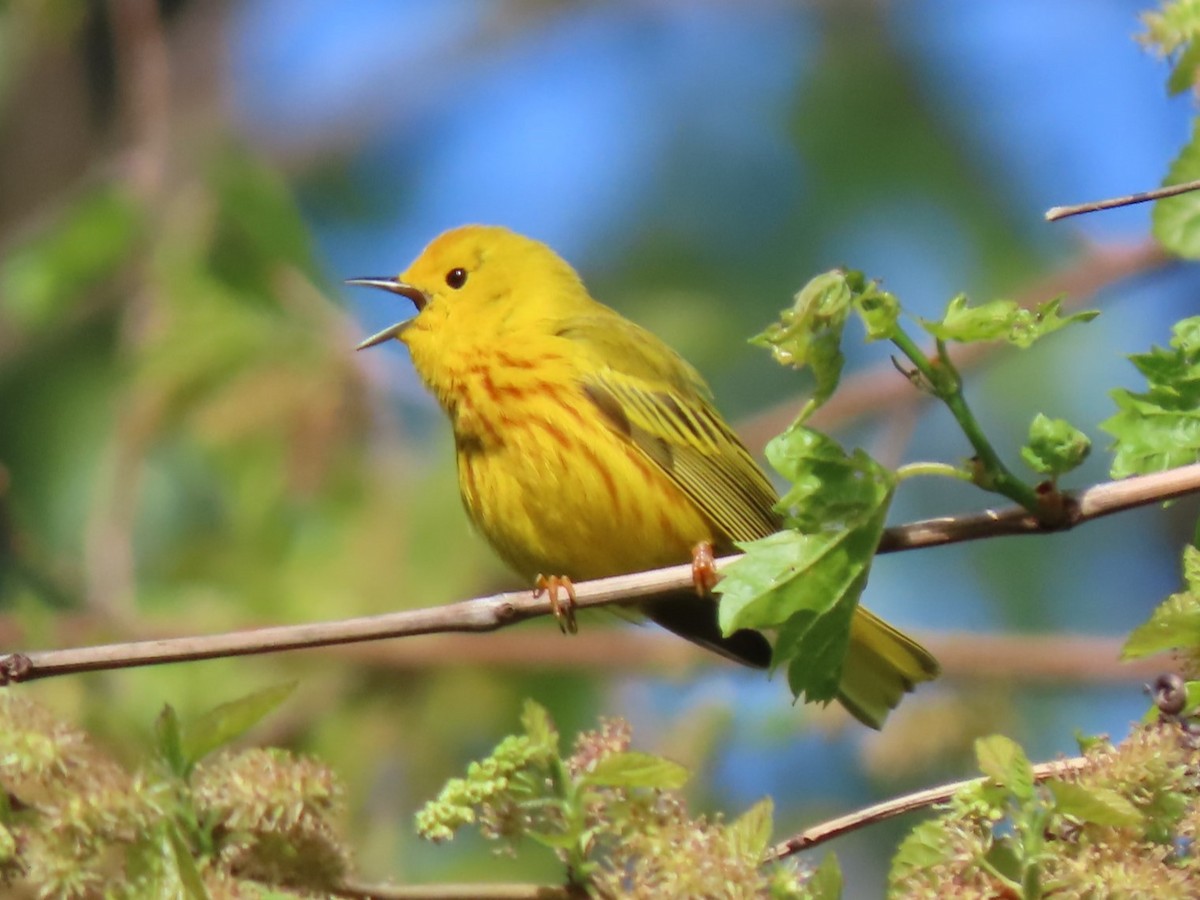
(500,610)
(897,806)
(1015,658)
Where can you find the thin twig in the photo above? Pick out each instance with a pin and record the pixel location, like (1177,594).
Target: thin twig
(1054,213)
(1014,658)
(898,806)
(500,610)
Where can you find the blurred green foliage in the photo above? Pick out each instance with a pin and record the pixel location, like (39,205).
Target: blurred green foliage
(614,818)
(187,443)
(184,823)
(1106,828)
(1159,428)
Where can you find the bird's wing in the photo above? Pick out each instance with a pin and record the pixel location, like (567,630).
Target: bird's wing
(648,394)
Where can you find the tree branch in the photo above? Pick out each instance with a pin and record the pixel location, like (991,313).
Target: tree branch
(499,610)
(1015,658)
(897,806)
(1054,213)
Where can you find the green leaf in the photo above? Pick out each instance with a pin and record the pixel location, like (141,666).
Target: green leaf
(807,582)
(1183,73)
(1163,813)
(879,311)
(182,872)
(1175,221)
(1055,446)
(829,489)
(926,846)
(1098,805)
(815,646)
(1160,428)
(751,831)
(1087,742)
(539,727)
(168,735)
(1005,857)
(1002,759)
(1176,622)
(1172,27)
(632,769)
(229,721)
(809,335)
(825,883)
(1001,320)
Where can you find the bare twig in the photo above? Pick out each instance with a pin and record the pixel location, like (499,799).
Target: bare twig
(1054,213)
(499,610)
(879,388)
(897,806)
(1015,658)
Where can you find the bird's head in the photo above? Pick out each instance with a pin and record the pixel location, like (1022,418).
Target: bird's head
(479,282)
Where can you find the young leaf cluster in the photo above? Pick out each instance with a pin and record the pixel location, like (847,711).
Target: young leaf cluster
(1123,825)
(806,581)
(189,824)
(1173,31)
(1175,625)
(614,817)
(1001,320)
(1120,826)
(1159,428)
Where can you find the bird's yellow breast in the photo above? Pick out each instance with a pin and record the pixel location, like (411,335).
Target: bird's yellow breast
(544,476)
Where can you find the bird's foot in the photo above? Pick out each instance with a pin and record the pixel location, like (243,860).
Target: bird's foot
(563,610)
(704,569)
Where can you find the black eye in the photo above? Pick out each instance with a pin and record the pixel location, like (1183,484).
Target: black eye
(456,278)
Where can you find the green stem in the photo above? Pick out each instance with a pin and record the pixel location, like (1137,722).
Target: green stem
(1007,882)
(944,382)
(945,470)
(578,868)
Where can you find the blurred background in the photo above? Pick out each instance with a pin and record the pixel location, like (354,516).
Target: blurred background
(188,442)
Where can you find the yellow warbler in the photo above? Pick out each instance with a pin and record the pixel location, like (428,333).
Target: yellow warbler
(587,447)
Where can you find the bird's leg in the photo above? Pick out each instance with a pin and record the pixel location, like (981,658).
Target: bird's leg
(704,569)
(564,611)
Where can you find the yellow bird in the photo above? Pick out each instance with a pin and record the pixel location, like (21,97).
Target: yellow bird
(587,447)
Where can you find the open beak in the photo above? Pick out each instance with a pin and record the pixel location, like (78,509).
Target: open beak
(392,286)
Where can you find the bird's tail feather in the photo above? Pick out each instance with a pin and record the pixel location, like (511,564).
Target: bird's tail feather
(882,662)
(882,665)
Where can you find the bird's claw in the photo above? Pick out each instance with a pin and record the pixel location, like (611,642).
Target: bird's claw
(563,610)
(704,569)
